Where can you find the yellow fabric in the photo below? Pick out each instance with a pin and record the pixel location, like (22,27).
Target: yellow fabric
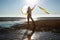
(44,10)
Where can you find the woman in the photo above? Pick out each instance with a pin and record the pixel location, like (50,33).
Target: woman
(29,11)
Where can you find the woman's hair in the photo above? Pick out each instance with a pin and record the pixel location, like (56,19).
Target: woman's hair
(29,9)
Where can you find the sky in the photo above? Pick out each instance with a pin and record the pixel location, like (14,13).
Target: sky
(12,8)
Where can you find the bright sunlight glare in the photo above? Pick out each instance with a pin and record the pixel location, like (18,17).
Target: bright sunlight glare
(31,3)
(24,9)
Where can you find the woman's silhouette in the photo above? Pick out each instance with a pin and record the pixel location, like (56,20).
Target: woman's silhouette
(29,11)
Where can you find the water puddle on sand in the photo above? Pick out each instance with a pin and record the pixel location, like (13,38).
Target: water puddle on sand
(19,34)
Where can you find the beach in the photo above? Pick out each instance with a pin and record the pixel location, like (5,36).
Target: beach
(17,30)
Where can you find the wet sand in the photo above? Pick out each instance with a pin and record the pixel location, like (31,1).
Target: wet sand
(41,25)
(10,34)
(45,30)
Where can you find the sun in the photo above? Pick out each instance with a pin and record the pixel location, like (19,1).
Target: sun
(31,2)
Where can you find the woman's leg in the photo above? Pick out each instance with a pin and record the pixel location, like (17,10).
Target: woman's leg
(28,34)
(33,25)
(28,21)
